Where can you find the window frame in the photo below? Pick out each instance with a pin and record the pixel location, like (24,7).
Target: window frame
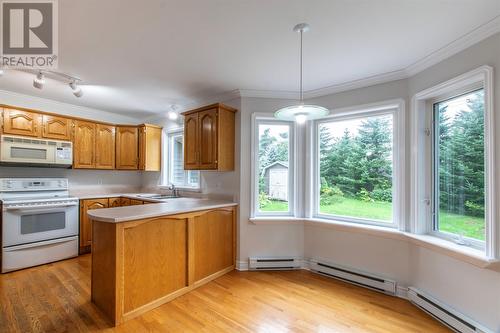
(265,119)
(422,174)
(394,108)
(168,175)
(474,243)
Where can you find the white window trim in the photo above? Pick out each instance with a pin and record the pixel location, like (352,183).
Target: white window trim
(166,170)
(421,212)
(397,109)
(265,118)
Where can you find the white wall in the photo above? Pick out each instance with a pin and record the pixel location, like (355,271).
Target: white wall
(469,289)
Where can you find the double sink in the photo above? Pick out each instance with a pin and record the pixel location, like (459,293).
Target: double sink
(158,196)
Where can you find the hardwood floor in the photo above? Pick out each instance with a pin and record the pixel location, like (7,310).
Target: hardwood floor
(56,298)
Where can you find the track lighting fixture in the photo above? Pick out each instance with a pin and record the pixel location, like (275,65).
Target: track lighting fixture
(39,80)
(77,90)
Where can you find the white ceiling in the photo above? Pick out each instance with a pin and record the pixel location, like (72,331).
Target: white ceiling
(138,57)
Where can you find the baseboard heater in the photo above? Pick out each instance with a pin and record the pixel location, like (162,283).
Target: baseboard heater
(356,277)
(451,318)
(273,263)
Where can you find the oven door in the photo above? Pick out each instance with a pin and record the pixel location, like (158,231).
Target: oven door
(33,224)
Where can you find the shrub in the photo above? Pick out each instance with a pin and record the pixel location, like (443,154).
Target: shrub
(474,209)
(263,200)
(330,195)
(382,194)
(364,195)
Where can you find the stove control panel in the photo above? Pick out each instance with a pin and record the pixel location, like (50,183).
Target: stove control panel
(33,184)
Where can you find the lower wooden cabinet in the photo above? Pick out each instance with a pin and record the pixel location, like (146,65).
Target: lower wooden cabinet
(158,259)
(85,223)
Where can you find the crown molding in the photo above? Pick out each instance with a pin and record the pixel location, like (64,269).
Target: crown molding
(475,36)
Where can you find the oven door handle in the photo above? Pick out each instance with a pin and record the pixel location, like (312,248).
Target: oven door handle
(38,244)
(40,208)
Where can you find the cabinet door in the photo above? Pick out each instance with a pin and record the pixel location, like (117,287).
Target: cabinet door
(208,139)
(127,144)
(85,224)
(19,122)
(124,202)
(84,145)
(136,202)
(191,142)
(213,242)
(114,202)
(150,148)
(105,147)
(58,128)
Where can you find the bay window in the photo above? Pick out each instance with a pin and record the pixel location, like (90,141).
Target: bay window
(356,164)
(273,174)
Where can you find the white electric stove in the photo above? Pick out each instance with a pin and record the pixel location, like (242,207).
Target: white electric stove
(39,222)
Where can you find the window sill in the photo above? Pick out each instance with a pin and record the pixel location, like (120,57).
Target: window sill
(260,220)
(445,247)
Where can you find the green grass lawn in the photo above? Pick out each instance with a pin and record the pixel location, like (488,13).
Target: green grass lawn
(471,226)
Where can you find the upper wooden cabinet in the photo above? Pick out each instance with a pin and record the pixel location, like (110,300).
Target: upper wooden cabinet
(105,147)
(149,147)
(84,145)
(20,122)
(94,146)
(209,138)
(58,128)
(127,147)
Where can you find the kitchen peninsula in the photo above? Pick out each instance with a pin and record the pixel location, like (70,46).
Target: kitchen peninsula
(145,256)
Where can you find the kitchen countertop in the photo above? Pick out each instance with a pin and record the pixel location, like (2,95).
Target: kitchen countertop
(165,208)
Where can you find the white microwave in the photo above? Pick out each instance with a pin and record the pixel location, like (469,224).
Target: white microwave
(33,151)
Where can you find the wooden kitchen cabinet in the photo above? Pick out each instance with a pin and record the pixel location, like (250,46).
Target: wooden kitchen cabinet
(124,202)
(58,128)
(114,202)
(85,223)
(149,147)
(134,202)
(105,147)
(127,146)
(84,145)
(209,135)
(20,122)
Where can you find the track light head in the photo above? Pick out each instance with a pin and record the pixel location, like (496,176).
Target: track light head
(77,90)
(39,80)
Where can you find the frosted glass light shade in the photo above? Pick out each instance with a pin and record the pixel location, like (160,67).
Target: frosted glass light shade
(301,113)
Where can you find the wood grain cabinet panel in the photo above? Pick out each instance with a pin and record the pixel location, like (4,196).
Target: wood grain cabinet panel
(134,202)
(191,133)
(58,128)
(105,147)
(114,202)
(209,135)
(84,145)
(208,139)
(213,242)
(85,223)
(19,122)
(149,147)
(127,145)
(124,202)
(159,243)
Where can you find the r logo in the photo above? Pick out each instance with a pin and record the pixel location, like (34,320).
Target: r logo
(27,28)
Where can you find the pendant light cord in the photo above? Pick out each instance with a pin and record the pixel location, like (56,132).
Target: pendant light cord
(301,91)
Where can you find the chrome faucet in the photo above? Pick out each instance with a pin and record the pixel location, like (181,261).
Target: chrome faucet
(175,191)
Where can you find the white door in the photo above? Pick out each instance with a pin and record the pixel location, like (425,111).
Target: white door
(278,184)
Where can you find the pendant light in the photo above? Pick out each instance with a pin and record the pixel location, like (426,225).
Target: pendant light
(301,112)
